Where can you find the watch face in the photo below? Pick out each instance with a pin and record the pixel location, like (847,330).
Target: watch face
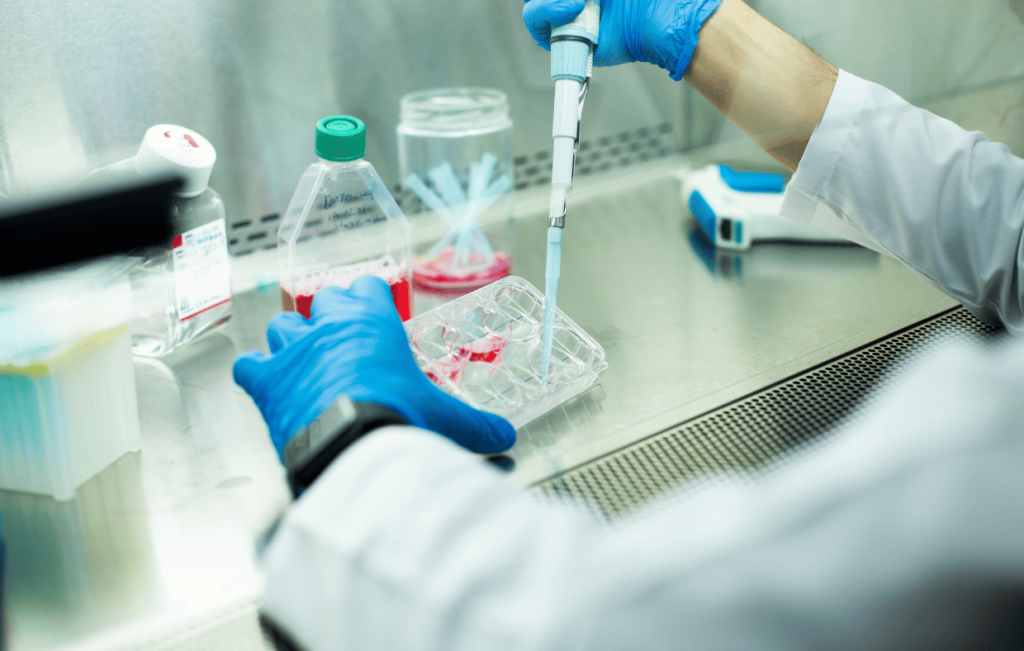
(311,440)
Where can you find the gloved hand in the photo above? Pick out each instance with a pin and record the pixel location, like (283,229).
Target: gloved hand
(355,344)
(662,32)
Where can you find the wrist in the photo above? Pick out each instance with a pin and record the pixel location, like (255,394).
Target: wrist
(699,13)
(721,54)
(394,395)
(344,422)
(766,82)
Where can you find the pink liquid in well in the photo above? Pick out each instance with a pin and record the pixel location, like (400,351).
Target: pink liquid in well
(306,288)
(484,350)
(436,274)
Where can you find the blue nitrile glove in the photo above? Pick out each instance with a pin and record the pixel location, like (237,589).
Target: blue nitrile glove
(355,344)
(662,32)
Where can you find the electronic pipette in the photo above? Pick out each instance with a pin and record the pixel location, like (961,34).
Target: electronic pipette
(572,60)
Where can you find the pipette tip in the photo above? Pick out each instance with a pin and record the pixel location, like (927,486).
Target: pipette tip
(554,265)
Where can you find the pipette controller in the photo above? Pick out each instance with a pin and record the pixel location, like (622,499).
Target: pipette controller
(735,209)
(572,62)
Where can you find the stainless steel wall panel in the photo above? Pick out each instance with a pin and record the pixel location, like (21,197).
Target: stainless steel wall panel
(82,81)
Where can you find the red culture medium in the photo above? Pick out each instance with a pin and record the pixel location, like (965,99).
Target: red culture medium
(434,275)
(400,294)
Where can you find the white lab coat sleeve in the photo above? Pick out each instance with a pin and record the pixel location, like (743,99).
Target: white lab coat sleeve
(898,179)
(904,531)
(409,542)
(895,534)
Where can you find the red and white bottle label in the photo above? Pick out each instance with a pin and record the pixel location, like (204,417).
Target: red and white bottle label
(202,269)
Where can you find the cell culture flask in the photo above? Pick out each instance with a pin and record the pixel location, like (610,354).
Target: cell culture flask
(342,223)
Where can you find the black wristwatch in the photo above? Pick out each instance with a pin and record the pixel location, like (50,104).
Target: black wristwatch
(340,425)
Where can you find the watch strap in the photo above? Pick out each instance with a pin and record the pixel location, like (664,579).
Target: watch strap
(343,423)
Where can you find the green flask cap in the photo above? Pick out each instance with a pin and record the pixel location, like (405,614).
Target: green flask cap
(340,138)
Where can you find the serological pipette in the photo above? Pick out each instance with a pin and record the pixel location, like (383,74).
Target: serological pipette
(572,62)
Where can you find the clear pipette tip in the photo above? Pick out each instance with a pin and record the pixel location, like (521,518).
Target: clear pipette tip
(554,265)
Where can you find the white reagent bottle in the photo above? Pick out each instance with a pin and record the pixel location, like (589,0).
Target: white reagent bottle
(181,290)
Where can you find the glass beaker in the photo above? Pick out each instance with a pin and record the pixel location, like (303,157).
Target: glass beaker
(456,169)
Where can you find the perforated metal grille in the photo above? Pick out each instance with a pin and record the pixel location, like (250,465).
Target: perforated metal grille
(772,425)
(248,235)
(600,154)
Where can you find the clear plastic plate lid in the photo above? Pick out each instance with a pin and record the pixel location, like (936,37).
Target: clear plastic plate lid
(485,348)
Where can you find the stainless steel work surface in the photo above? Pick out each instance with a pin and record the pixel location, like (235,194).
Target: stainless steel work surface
(160,545)
(686,329)
(763,432)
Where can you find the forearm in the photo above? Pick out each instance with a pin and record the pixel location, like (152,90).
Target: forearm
(766,82)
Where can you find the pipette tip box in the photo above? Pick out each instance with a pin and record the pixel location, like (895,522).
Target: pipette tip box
(67,383)
(485,349)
